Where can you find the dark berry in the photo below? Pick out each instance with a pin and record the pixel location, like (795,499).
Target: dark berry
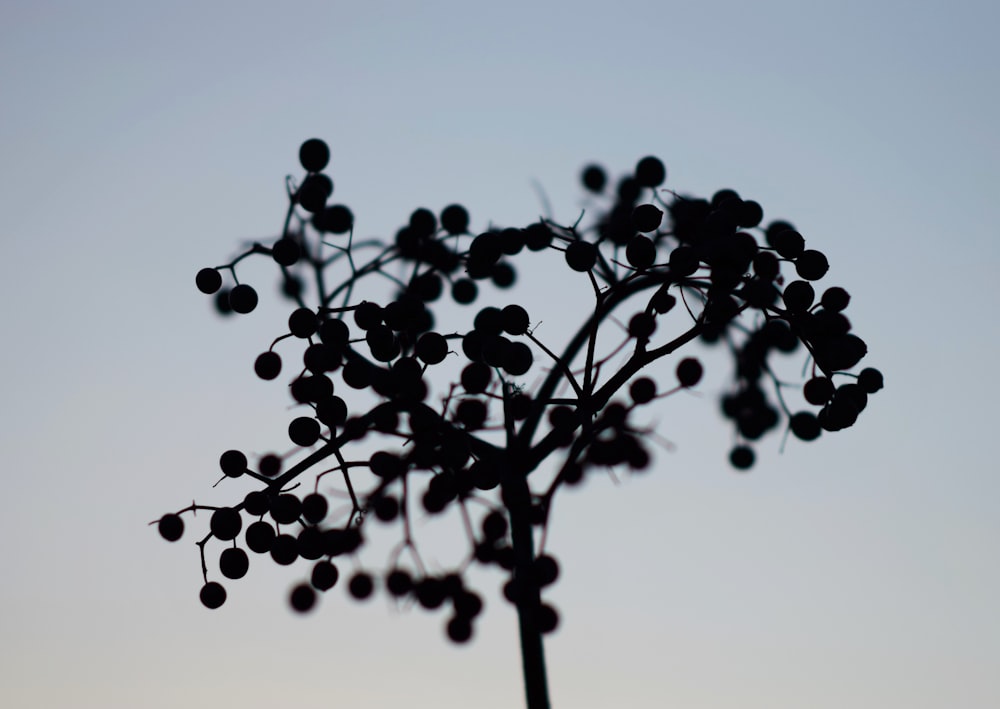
(171,527)
(243,299)
(811,265)
(314,154)
(212,595)
(233,463)
(594,178)
(742,457)
(647,217)
(455,219)
(689,371)
(361,585)
(650,172)
(208,281)
(303,598)
(267,365)
(870,380)
(581,255)
(234,563)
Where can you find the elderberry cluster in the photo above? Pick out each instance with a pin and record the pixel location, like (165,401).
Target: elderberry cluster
(484,417)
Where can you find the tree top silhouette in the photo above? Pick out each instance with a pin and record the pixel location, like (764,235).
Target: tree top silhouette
(482,417)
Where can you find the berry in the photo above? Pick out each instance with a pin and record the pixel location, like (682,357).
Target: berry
(742,457)
(243,299)
(212,595)
(641,326)
(324,575)
(581,256)
(870,380)
(818,390)
(689,371)
(314,154)
(788,243)
(464,291)
(259,537)
(208,280)
(361,585)
(267,365)
(514,320)
(171,527)
(547,618)
(303,323)
(270,465)
(336,219)
(314,507)
(798,296)
(285,252)
(647,217)
(812,265)
(399,582)
(313,192)
(304,431)
(650,172)
(459,630)
(226,523)
(642,390)
(805,426)
(594,178)
(234,563)
(233,463)
(432,348)
(640,252)
(455,219)
(302,598)
(835,299)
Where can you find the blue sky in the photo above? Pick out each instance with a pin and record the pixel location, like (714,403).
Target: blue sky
(140,142)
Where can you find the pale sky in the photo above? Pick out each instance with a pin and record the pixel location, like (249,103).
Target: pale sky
(140,142)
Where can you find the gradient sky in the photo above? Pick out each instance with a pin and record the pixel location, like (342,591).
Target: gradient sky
(142,141)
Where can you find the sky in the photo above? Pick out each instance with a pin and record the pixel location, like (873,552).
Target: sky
(140,142)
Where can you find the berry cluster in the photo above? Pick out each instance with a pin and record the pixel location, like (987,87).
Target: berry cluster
(701,269)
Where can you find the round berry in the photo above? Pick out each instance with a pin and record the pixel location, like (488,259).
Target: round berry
(171,527)
(303,598)
(455,219)
(812,265)
(212,595)
(640,252)
(285,252)
(267,365)
(314,154)
(689,371)
(650,172)
(805,426)
(818,390)
(835,299)
(594,178)
(324,575)
(226,523)
(870,380)
(647,217)
(208,280)
(361,585)
(581,255)
(304,431)
(514,320)
(243,299)
(432,348)
(234,563)
(642,390)
(742,457)
(233,463)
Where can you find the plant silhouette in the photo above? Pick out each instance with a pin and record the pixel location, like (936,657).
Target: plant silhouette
(456,425)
